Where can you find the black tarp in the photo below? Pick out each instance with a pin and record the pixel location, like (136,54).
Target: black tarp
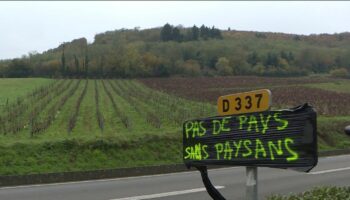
(281,139)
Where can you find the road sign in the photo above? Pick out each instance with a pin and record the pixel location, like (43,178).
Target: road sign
(281,139)
(246,102)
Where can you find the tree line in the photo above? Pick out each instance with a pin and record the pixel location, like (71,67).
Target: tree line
(194,51)
(171,33)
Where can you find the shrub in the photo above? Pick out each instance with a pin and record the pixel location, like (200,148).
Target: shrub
(340,73)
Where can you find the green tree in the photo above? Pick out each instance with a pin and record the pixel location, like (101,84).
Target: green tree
(102,63)
(194,33)
(76,63)
(290,56)
(192,67)
(176,35)
(215,33)
(271,59)
(166,33)
(223,66)
(63,61)
(204,32)
(86,63)
(18,68)
(340,73)
(253,58)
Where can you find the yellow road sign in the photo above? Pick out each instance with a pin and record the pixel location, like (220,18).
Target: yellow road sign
(246,102)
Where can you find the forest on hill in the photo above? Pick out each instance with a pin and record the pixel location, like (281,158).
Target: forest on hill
(187,51)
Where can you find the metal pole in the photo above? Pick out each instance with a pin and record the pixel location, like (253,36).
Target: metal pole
(252,183)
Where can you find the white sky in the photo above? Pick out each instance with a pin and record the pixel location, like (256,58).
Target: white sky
(28,26)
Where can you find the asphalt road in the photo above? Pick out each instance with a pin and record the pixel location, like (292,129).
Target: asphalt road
(188,185)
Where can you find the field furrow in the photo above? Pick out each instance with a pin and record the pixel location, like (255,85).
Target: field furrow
(86,124)
(119,113)
(100,118)
(73,117)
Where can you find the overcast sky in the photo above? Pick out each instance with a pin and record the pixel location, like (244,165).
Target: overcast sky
(29,26)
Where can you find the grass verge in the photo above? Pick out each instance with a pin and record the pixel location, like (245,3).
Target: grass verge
(324,193)
(331,133)
(100,153)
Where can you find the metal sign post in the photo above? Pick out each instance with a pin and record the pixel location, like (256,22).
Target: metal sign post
(232,104)
(252,183)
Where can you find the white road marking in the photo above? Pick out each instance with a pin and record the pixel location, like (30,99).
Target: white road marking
(166,194)
(110,179)
(335,157)
(330,170)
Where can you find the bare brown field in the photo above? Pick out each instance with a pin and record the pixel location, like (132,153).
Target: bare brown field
(286,92)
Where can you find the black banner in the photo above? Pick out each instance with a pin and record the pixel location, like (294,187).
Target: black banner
(280,139)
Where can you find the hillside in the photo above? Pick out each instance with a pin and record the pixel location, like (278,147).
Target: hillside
(194,51)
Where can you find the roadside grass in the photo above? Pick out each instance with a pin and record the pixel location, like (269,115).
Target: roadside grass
(324,193)
(331,133)
(79,155)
